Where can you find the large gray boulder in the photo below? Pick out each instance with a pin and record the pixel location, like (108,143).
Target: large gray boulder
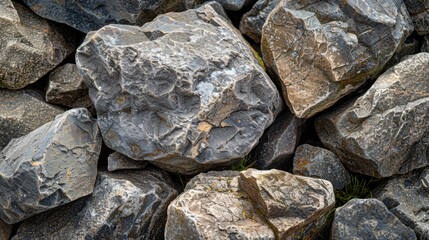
(29,46)
(124,205)
(252,22)
(5,230)
(419,11)
(323,50)
(92,15)
(117,161)
(183,91)
(368,219)
(386,130)
(21,112)
(53,165)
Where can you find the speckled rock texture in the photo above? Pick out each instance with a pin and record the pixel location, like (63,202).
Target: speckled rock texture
(252,204)
(233,5)
(21,112)
(53,165)
(368,219)
(92,15)
(419,11)
(386,130)
(66,87)
(323,50)
(184,91)
(252,22)
(124,205)
(117,161)
(317,162)
(5,230)
(29,46)
(278,144)
(406,196)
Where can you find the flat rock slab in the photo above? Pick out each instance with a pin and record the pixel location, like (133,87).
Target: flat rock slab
(92,15)
(323,50)
(368,219)
(30,46)
(124,205)
(183,91)
(53,165)
(419,11)
(117,161)
(249,205)
(386,130)
(252,22)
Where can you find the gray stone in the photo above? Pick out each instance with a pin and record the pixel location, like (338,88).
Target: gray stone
(29,46)
(323,50)
(233,5)
(406,196)
(124,205)
(184,91)
(419,11)
(117,161)
(252,22)
(92,15)
(5,230)
(386,130)
(367,219)
(410,47)
(21,112)
(317,162)
(278,144)
(53,165)
(425,45)
(66,87)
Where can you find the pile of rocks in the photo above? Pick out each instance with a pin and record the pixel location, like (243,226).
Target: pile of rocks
(141,120)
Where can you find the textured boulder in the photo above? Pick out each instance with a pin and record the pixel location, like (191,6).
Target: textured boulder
(183,91)
(250,205)
(92,15)
(5,230)
(386,130)
(124,205)
(406,196)
(323,50)
(66,87)
(117,161)
(367,219)
(29,46)
(53,165)
(252,22)
(317,162)
(233,5)
(21,112)
(419,11)
(279,142)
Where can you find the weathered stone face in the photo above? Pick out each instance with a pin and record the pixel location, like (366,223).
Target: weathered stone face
(124,205)
(419,11)
(184,91)
(29,46)
(117,161)
(252,22)
(386,130)
(53,165)
(323,50)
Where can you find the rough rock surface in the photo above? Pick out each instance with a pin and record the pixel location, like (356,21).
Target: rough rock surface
(21,112)
(92,15)
(406,196)
(124,205)
(425,45)
(367,219)
(233,5)
(53,165)
(317,162)
(117,161)
(251,23)
(419,11)
(250,205)
(323,50)
(29,46)
(183,91)
(386,130)
(5,230)
(279,142)
(66,87)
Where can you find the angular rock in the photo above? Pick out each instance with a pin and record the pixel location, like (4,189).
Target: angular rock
(117,161)
(323,50)
(233,5)
(317,162)
(92,15)
(183,91)
(5,230)
(53,165)
(251,23)
(406,196)
(386,130)
(21,112)
(367,219)
(29,46)
(66,87)
(124,205)
(419,11)
(279,142)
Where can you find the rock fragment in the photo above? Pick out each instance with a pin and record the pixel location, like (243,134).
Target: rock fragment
(117,161)
(252,22)
(419,11)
